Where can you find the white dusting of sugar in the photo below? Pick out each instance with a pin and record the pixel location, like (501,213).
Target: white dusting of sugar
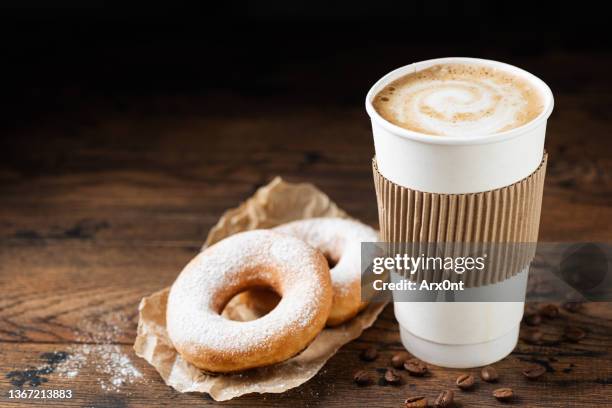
(114,369)
(338,238)
(107,363)
(191,317)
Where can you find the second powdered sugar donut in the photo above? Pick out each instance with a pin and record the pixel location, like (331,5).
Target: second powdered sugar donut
(340,241)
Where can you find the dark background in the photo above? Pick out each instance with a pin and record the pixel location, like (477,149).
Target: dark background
(239,92)
(69,56)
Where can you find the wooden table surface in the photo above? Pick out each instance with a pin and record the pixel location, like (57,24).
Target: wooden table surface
(103,205)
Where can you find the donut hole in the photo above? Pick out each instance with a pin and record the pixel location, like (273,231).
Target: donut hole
(331,260)
(251,304)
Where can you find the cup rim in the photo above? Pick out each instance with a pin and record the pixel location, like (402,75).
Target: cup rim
(459,140)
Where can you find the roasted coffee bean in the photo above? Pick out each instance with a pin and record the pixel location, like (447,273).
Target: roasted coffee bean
(532,336)
(369,354)
(551,311)
(392,377)
(532,319)
(574,334)
(362,378)
(572,307)
(416,402)
(534,371)
(489,374)
(415,367)
(503,394)
(399,359)
(465,381)
(445,399)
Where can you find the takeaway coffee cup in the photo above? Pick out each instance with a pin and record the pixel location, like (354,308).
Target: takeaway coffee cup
(459,334)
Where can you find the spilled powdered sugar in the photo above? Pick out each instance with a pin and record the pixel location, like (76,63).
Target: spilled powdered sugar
(107,363)
(192,315)
(114,368)
(338,238)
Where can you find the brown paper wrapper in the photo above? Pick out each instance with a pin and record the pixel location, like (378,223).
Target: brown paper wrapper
(274,204)
(499,222)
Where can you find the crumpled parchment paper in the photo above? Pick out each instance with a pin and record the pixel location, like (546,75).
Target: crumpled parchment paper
(274,204)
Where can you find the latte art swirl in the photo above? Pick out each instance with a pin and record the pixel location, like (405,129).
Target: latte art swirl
(458,100)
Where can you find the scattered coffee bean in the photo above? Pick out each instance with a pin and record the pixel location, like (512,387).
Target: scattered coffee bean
(503,394)
(465,381)
(416,402)
(531,336)
(392,377)
(489,374)
(574,334)
(398,359)
(369,354)
(415,367)
(445,399)
(551,311)
(572,307)
(532,319)
(362,378)
(534,371)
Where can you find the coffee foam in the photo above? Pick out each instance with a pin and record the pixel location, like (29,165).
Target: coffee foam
(459,100)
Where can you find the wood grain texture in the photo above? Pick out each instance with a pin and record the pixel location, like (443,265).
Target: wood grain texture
(103,206)
(587,384)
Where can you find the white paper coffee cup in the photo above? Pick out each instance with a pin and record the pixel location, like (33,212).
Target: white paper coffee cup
(459,334)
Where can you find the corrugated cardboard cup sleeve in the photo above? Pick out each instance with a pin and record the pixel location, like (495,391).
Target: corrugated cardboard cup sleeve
(504,222)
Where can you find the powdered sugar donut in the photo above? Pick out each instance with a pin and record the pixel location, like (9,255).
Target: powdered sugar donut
(259,258)
(340,241)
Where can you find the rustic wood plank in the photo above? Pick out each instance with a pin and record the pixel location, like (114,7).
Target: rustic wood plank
(108,314)
(51,317)
(207,168)
(590,373)
(72,293)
